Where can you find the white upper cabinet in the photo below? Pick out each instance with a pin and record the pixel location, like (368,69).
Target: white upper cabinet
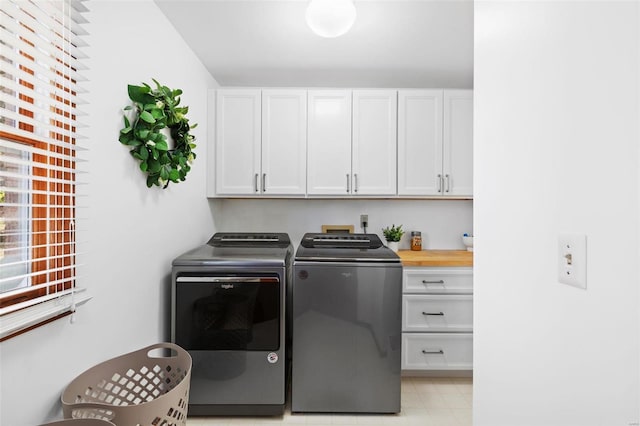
(237,156)
(374,142)
(435,142)
(458,142)
(352,142)
(419,142)
(329,142)
(284,142)
(261,145)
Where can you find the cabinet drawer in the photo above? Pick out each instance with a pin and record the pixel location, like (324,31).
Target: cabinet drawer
(438,280)
(422,351)
(437,313)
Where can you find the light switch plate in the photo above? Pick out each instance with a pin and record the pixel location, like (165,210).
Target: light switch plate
(572,260)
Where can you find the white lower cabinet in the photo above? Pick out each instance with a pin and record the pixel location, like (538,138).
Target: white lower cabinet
(442,351)
(437,313)
(434,280)
(437,318)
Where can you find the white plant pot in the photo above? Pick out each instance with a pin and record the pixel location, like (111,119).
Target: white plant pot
(393,245)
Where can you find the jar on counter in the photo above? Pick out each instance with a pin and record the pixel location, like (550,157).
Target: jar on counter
(416,240)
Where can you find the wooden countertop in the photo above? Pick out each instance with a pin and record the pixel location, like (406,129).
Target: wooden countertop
(436,257)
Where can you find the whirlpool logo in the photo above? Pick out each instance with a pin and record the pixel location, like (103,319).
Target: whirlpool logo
(226,286)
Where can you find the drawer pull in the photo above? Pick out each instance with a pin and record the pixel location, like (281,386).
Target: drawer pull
(432,282)
(440,352)
(433,313)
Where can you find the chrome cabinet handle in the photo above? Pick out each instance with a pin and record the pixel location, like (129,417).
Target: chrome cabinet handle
(439,183)
(255,182)
(432,282)
(355,185)
(264,182)
(347,182)
(433,352)
(448,183)
(433,313)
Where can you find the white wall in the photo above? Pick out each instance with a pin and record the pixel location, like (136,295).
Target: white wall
(556,140)
(134,232)
(442,223)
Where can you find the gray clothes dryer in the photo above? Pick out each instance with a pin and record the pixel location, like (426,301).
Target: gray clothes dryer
(346,325)
(228,312)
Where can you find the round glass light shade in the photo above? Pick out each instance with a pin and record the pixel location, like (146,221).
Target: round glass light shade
(330,18)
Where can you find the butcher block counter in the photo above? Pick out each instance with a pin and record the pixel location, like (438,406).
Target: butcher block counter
(436,257)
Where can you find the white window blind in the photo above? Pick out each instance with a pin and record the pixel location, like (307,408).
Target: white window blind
(41,159)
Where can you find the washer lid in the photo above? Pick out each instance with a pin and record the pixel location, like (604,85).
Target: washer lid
(240,249)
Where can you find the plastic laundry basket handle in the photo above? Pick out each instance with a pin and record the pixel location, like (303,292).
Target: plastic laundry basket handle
(96,406)
(181,354)
(163,345)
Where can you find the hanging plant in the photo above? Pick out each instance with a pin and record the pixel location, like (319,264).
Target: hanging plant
(154,111)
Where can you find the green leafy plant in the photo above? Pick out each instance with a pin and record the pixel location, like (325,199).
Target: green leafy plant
(393,233)
(155,110)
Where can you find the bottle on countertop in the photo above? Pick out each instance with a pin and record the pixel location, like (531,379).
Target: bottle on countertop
(416,240)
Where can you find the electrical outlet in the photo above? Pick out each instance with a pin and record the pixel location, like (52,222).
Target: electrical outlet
(572,260)
(364,220)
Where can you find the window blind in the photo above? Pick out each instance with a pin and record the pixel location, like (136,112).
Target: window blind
(42,61)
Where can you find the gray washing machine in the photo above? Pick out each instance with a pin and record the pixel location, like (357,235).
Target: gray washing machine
(347,325)
(228,311)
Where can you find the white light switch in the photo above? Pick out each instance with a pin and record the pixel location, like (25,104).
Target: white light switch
(572,259)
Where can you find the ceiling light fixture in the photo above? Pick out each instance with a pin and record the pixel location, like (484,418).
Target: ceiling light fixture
(330,18)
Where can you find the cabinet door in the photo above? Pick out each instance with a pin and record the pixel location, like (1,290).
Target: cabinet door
(374,142)
(420,142)
(284,142)
(237,141)
(458,142)
(329,142)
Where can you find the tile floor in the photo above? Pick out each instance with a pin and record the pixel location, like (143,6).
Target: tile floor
(426,401)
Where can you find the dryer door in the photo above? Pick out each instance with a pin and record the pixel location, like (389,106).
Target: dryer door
(228,312)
